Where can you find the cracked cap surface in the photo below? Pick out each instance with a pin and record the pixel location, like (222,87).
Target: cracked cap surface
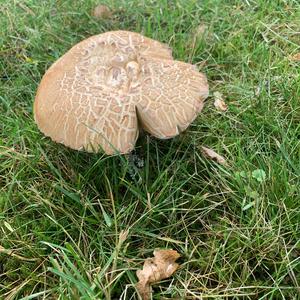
(99,92)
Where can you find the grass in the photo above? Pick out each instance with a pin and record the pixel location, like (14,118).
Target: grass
(77,226)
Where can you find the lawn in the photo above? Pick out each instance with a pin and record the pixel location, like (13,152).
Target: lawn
(75,225)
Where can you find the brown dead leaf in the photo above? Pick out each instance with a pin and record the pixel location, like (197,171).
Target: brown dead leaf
(156,268)
(211,154)
(102,12)
(295,57)
(219,102)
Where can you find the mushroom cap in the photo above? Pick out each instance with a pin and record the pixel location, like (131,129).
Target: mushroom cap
(97,94)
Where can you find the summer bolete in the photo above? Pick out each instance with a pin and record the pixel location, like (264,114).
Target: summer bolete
(105,87)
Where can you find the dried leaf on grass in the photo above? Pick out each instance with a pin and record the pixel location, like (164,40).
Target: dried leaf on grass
(211,154)
(295,57)
(219,102)
(102,12)
(156,268)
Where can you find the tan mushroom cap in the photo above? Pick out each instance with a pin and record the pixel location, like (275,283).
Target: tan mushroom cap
(96,94)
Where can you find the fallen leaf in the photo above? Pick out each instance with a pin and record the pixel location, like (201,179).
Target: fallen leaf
(295,57)
(211,154)
(156,268)
(219,102)
(102,12)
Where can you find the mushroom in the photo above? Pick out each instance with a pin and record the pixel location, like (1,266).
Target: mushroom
(105,87)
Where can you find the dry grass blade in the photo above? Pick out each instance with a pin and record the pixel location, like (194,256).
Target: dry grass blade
(159,267)
(11,253)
